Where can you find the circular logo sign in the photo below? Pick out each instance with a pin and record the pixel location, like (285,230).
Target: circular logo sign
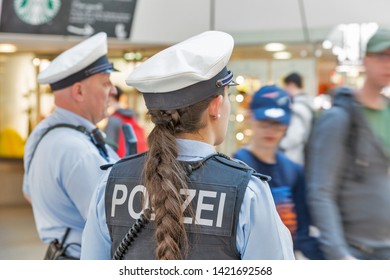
(36,12)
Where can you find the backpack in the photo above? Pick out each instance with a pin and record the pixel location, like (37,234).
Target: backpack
(139,132)
(343,97)
(313,113)
(302,116)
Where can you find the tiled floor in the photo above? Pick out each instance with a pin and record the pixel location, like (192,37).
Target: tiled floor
(18,236)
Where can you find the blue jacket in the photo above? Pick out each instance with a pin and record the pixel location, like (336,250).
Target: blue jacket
(288,189)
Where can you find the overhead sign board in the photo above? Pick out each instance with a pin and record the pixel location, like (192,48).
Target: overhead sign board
(68,17)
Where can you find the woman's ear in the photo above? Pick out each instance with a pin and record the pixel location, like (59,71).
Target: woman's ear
(215,106)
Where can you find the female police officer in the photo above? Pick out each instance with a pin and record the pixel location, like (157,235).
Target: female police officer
(200,204)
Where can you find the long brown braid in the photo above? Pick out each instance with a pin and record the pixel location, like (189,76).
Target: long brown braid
(165,177)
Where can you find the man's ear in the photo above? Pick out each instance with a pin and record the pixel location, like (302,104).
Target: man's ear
(214,107)
(77,92)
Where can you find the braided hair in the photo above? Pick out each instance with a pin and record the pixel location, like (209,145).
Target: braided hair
(165,177)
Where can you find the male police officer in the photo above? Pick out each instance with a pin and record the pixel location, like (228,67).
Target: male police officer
(64,152)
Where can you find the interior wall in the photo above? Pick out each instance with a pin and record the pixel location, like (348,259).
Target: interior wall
(17,85)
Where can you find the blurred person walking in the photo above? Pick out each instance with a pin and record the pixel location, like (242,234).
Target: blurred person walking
(270,118)
(294,142)
(114,133)
(64,152)
(182,199)
(349,164)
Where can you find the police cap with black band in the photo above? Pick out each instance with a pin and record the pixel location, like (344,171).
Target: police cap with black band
(78,63)
(185,73)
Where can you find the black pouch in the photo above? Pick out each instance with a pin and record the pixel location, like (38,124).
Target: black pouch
(57,250)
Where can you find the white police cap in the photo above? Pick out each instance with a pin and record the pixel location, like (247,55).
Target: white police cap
(185,73)
(78,63)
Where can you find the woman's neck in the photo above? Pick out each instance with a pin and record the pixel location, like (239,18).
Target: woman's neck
(198,136)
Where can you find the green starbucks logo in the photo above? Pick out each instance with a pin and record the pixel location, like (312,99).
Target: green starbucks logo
(36,12)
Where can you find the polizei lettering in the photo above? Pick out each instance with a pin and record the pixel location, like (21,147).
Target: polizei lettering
(208,205)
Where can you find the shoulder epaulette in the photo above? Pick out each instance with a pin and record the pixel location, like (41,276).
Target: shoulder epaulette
(106,166)
(262,177)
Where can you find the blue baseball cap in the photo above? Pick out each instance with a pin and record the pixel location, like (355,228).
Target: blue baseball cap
(271,102)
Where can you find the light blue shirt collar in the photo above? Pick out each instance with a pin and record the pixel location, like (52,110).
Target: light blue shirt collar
(192,150)
(67,116)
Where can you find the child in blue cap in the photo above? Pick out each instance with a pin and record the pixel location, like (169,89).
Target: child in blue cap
(270,117)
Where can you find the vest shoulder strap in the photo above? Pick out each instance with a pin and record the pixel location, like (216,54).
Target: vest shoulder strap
(240,165)
(126,158)
(79,128)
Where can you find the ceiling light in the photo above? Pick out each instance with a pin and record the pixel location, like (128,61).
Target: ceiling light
(327,44)
(7,48)
(240,118)
(240,136)
(133,56)
(282,55)
(240,80)
(274,47)
(239,98)
(303,53)
(318,53)
(129,56)
(336,50)
(36,61)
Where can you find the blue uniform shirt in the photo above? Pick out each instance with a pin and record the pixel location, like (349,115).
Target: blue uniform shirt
(62,177)
(260,233)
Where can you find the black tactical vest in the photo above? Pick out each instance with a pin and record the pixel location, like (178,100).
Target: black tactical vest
(216,189)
